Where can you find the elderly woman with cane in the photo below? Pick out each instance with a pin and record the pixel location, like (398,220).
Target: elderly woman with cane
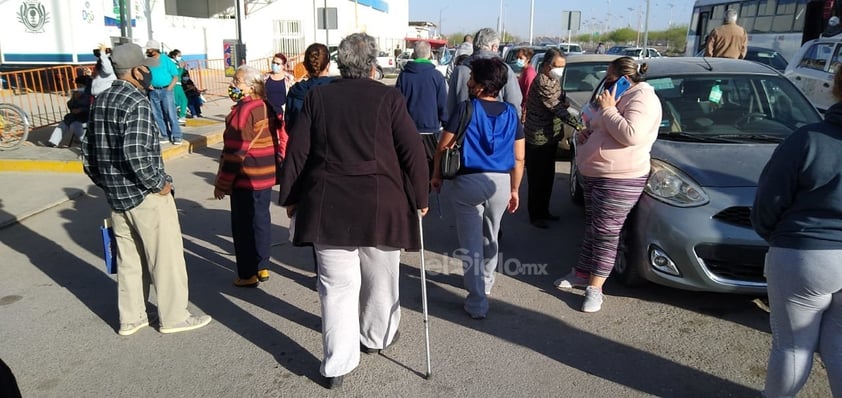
(355,177)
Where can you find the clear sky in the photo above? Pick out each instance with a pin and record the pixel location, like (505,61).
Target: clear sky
(470,15)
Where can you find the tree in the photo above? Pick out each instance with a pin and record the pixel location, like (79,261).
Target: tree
(623,35)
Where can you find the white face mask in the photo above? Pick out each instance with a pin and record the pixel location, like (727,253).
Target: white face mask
(557,72)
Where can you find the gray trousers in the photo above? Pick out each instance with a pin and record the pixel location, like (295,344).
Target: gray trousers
(358,289)
(805,298)
(479,201)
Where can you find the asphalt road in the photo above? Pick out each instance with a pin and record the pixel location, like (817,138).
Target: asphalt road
(58,318)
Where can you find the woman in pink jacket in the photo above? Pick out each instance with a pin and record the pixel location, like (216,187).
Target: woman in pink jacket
(612,154)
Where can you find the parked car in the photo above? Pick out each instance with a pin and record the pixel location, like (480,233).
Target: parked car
(722,119)
(616,49)
(570,48)
(766,56)
(637,52)
(334,68)
(581,76)
(511,56)
(812,69)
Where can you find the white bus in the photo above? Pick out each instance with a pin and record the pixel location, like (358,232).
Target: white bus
(781,25)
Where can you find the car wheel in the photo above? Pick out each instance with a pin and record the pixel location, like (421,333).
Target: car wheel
(624,270)
(577,196)
(378,75)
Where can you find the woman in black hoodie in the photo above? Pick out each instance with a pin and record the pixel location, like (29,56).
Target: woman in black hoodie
(316,62)
(798,210)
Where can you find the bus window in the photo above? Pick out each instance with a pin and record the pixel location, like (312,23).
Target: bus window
(784,16)
(746,16)
(800,10)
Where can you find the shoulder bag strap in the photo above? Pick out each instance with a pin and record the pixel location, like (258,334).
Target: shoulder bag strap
(463,123)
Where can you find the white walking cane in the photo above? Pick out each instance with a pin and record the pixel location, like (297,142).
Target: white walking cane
(424,296)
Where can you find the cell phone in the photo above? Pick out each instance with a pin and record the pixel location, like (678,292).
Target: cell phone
(620,86)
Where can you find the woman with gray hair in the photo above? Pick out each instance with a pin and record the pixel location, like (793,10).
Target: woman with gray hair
(355,177)
(254,142)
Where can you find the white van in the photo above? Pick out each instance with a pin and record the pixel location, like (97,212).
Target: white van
(812,68)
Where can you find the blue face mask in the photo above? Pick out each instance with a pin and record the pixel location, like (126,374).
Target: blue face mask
(520,62)
(276,68)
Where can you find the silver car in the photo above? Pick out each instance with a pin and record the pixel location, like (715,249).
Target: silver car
(722,119)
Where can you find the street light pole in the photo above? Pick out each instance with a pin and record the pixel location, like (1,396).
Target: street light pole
(500,19)
(646,31)
(531,20)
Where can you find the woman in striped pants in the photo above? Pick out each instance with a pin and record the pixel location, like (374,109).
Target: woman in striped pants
(613,159)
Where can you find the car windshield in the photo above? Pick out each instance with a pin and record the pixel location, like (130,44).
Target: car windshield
(771,58)
(583,76)
(730,108)
(570,48)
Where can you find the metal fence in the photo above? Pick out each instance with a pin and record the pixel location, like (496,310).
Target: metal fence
(43,92)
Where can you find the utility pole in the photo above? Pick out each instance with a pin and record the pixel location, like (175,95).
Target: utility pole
(327,30)
(646,31)
(500,19)
(531,20)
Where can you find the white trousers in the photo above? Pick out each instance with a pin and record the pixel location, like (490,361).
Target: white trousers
(358,289)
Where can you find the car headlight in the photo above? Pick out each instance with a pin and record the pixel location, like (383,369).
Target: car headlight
(671,186)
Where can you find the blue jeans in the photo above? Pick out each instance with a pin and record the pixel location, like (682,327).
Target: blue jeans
(805,298)
(163,108)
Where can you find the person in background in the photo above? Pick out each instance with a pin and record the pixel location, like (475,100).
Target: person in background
(546,107)
(122,155)
(486,42)
(426,97)
(527,75)
(488,185)
(354,157)
(797,210)
(161,95)
(729,40)
(103,72)
(316,62)
(612,154)
(178,90)
(253,144)
(463,52)
(79,107)
(600,48)
(278,81)
(299,72)
(194,95)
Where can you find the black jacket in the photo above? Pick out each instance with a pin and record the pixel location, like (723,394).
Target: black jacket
(799,196)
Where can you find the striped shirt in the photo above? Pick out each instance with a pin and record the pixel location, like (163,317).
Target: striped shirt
(121,152)
(250,153)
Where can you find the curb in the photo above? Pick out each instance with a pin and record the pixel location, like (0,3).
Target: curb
(75,166)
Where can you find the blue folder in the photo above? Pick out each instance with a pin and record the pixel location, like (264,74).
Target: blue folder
(109,247)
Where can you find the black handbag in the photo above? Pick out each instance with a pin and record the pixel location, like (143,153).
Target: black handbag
(451,159)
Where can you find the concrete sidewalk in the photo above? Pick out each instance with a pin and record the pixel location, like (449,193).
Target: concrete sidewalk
(36,177)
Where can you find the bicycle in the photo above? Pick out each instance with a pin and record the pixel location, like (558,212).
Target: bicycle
(14,126)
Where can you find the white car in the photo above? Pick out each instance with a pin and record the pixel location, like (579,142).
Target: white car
(811,69)
(637,52)
(571,48)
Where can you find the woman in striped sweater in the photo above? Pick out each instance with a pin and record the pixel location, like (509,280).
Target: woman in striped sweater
(254,143)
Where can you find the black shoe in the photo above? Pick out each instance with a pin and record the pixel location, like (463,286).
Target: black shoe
(335,383)
(377,350)
(539,223)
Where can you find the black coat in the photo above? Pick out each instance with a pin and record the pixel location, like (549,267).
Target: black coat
(355,168)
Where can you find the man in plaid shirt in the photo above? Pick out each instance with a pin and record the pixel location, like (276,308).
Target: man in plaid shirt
(122,156)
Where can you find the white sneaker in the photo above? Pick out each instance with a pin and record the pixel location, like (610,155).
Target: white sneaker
(182,121)
(127,329)
(570,281)
(192,322)
(593,299)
